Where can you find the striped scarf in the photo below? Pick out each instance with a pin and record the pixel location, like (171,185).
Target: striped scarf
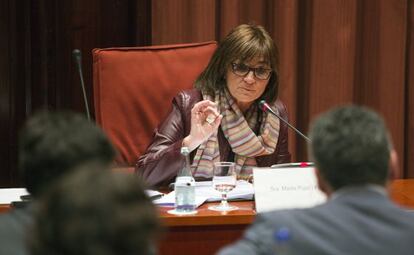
(238,130)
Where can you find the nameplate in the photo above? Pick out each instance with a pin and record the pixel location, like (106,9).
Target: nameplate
(286,188)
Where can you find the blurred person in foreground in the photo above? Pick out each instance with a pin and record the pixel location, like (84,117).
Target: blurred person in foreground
(354,161)
(220,120)
(51,144)
(95,212)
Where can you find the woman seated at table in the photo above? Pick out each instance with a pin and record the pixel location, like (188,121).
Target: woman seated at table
(220,119)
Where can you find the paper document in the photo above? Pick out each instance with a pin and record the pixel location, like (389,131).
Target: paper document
(205,192)
(11,195)
(153,194)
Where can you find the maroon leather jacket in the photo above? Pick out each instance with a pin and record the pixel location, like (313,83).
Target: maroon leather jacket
(162,160)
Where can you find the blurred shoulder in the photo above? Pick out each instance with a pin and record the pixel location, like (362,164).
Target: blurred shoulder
(278,215)
(293,218)
(14,225)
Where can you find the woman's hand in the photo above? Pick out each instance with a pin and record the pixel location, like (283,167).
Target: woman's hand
(205,120)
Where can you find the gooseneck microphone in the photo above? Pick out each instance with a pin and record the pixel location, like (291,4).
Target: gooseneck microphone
(266,108)
(77,56)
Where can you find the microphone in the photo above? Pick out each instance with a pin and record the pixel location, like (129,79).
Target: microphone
(77,56)
(266,108)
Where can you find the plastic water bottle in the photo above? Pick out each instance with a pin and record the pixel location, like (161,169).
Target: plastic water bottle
(185,186)
(282,237)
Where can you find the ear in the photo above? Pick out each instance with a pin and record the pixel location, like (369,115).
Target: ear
(322,183)
(393,168)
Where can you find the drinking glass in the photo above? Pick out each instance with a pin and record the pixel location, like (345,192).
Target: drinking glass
(224,180)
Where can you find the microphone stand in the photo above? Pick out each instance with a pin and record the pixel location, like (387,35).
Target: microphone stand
(266,108)
(77,56)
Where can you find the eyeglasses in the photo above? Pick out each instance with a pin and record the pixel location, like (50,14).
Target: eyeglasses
(259,72)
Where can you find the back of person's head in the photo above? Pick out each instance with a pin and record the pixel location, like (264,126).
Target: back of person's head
(93,211)
(52,143)
(243,43)
(350,146)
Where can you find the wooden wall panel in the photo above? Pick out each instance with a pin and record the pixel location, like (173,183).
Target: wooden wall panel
(5,83)
(409,90)
(285,31)
(235,12)
(381,81)
(183,21)
(142,15)
(14,72)
(37,70)
(328,55)
(332,47)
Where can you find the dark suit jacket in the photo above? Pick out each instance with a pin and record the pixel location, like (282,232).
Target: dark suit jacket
(14,226)
(358,221)
(162,160)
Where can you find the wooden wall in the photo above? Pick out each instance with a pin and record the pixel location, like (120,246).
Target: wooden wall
(36,64)
(332,52)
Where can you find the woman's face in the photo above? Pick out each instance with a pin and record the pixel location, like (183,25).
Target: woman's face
(246,89)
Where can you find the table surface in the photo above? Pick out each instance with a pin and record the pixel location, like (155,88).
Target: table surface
(244,215)
(401,191)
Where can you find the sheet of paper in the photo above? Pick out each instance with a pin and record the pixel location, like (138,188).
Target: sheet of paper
(284,188)
(205,192)
(153,194)
(10,195)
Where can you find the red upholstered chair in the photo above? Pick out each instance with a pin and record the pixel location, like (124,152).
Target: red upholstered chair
(133,89)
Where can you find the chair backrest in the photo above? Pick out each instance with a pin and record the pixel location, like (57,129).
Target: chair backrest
(133,89)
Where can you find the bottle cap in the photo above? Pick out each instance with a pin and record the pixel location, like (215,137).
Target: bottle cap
(282,234)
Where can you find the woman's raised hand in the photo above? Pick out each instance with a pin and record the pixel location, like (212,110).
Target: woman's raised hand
(205,120)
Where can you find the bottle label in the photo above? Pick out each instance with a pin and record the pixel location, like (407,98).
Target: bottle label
(185,194)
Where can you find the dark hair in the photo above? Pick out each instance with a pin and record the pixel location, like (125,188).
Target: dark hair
(350,146)
(243,43)
(52,143)
(95,211)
